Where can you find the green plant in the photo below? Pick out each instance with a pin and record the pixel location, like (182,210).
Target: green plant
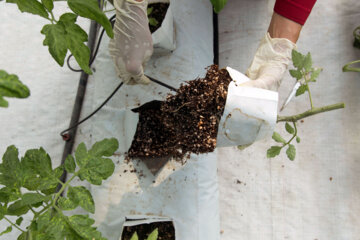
(30,184)
(305,74)
(11,86)
(152,236)
(218,5)
(348,67)
(152,21)
(63,34)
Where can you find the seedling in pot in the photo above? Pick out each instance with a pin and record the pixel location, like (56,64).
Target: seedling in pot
(305,74)
(152,236)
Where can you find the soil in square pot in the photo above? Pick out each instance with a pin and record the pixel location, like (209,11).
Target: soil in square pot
(166,231)
(186,122)
(156,14)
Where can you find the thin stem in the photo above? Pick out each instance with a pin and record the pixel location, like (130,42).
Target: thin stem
(311,102)
(294,135)
(62,189)
(347,67)
(310,112)
(52,17)
(110,10)
(13,224)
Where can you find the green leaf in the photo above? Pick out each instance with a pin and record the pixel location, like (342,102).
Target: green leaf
(273,151)
(276,136)
(96,170)
(7,230)
(49,5)
(22,236)
(315,74)
(291,152)
(81,224)
(70,164)
(57,227)
(218,5)
(9,194)
(56,40)
(289,128)
(297,139)
(32,198)
(298,59)
(301,90)
(106,147)
(90,9)
(2,211)
(149,10)
(43,220)
(134,236)
(32,6)
(10,86)
(308,63)
(153,235)
(17,209)
(10,169)
(81,155)
(296,74)
(66,204)
(19,221)
(153,22)
(81,196)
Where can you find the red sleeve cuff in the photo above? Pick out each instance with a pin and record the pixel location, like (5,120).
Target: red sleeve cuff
(295,10)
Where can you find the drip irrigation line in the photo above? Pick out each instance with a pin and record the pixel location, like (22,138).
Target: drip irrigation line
(216,38)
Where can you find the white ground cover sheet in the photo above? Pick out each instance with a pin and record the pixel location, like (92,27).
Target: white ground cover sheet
(315,197)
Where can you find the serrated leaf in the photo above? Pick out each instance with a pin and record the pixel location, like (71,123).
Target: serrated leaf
(96,170)
(315,74)
(49,5)
(289,128)
(81,155)
(218,5)
(308,63)
(276,136)
(32,6)
(66,204)
(291,152)
(7,230)
(90,9)
(297,59)
(81,224)
(295,74)
(134,236)
(32,198)
(17,209)
(273,151)
(153,235)
(11,86)
(82,197)
(19,221)
(301,90)
(10,169)
(297,139)
(55,39)
(106,147)
(70,164)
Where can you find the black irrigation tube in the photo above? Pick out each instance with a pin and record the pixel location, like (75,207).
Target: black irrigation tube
(69,144)
(216,38)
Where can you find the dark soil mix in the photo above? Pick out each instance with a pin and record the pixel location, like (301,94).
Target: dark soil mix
(186,122)
(158,13)
(166,231)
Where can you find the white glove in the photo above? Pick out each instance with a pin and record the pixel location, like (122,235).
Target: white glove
(270,63)
(132,45)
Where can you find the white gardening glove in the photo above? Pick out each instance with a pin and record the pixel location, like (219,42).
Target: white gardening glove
(132,45)
(270,63)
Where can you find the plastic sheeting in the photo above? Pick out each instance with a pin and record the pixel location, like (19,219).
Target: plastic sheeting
(316,196)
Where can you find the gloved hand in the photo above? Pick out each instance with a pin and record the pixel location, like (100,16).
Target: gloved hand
(270,63)
(132,45)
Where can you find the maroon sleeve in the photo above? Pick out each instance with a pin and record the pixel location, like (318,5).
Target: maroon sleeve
(296,10)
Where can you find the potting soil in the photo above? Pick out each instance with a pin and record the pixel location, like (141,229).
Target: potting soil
(158,13)
(166,231)
(186,122)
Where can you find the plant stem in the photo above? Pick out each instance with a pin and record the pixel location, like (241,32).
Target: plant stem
(294,135)
(310,112)
(52,17)
(347,67)
(62,189)
(13,224)
(311,102)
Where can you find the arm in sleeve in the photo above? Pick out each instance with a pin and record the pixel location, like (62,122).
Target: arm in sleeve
(295,10)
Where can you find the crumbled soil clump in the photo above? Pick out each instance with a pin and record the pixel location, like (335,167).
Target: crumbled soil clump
(158,13)
(186,122)
(166,231)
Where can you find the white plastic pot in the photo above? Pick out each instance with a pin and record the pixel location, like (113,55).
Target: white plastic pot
(250,113)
